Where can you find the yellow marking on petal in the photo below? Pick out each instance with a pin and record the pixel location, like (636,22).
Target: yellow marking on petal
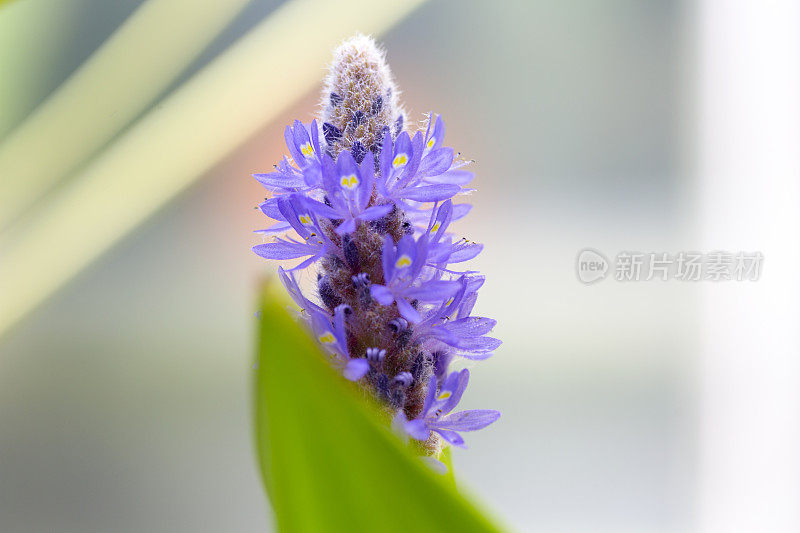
(327,338)
(444,395)
(400,160)
(431,142)
(450,301)
(436,227)
(305,219)
(307,150)
(350,182)
(402,262)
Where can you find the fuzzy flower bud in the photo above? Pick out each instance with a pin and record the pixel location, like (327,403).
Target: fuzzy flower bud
(360,100)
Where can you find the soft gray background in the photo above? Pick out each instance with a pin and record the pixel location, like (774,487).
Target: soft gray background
(124,401)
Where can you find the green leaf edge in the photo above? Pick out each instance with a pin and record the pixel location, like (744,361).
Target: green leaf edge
(440,506)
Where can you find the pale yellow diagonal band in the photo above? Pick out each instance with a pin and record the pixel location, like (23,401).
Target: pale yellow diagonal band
(148,51)
(267,70)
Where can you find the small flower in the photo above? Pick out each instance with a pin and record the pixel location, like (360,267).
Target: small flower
(285,178)
(400,180)
(402,266)
(288,281)
(452,324)
(349,189)
(435,158)
(436,413)
(303,144)
(294,211)
(333,337)
(442,248)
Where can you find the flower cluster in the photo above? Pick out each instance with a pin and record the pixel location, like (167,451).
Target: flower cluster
(371,204)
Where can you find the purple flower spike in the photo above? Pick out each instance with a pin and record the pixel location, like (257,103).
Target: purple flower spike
(369,203)
(436,412)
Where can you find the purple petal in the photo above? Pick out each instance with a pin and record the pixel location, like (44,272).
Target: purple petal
(465,307)
(417,147)
(387,150)
(288,206)
(375,212)
(403,146)
(433,291)
(418,429)
(339,329)
(406,246)
(288,135)
(367,179)
(438,133)
(280,227)
(345,166)
(356,369)
(305,263)
(471,326)
(431,193)
(300,137)
(314,136)
(348,226)
(407,311)
(318,208)
(280,180)
(430,397)
(312,174)
(435,464)
(452,437)
(283,250)
(420,257)
(454,177)
(478,356)
(465,253)
(479,344)
(387,257)
(439,223)
(471,420)
(382,294)
(436,162)
(456,383)
(270,208)
(294,290)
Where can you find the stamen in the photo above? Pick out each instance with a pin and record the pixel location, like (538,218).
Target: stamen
(375,355)
(360,280)
(403,379)
(398,325)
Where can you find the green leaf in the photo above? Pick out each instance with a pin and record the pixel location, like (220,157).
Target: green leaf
(328,459)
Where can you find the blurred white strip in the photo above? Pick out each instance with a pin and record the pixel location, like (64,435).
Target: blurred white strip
(750,174)
(148,51)
(258,77)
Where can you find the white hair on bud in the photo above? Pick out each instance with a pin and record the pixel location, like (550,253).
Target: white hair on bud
(359,97)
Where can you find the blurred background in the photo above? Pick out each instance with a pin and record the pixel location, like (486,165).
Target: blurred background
(125,382)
